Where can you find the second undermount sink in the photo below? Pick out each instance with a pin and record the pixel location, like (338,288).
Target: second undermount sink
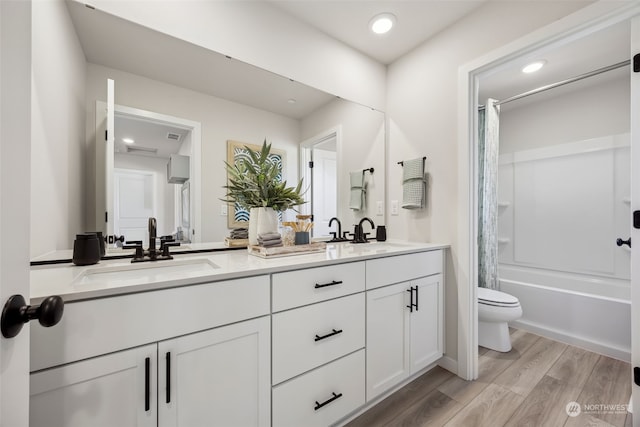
(147,272)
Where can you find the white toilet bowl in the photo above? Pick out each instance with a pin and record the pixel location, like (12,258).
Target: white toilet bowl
(495,309)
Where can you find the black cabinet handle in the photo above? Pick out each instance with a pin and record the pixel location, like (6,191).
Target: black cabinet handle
(331,399)
(330,334)
(168,373)
(416,298)
(410,306)
(332,283)
(147,384)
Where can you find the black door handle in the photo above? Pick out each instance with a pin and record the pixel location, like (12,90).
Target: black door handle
(621,242)
(16,313)
(410,306)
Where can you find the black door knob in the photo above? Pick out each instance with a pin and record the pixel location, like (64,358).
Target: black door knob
(621,242)
(16,313)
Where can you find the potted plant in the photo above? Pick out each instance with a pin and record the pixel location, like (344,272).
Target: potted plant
(254,185)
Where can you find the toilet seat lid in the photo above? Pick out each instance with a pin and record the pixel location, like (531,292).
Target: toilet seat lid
(493,297)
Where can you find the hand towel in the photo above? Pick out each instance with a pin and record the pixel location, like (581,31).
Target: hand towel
(413,184)
(357,190)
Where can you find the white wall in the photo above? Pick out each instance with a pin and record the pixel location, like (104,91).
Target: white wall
(362,148)
(260,34)
(57,143)
(422,115)
(593,108)
(221,121)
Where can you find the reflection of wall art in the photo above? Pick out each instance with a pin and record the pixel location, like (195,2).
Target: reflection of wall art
(238,217)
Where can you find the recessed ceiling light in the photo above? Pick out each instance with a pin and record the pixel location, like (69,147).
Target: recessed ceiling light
(291,101)
(128,140)
(382,23)
(534,66)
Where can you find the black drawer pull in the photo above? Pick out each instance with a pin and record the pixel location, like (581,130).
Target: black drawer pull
(168,373)
(333,282)
(330,334)
(417,298)
(410,306)
(147,384)
(320,405)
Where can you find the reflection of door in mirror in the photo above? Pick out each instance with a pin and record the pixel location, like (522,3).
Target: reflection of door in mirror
(144,142)
(320,155)
(134,202)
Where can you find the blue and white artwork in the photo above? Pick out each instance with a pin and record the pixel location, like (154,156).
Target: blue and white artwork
(236,151)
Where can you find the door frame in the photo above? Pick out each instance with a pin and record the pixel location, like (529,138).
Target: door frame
(195,172)
(585,21)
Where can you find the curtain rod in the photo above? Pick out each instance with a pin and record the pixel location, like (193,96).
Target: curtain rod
(562,83)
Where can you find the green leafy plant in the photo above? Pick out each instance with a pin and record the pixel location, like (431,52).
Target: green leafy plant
(254,183)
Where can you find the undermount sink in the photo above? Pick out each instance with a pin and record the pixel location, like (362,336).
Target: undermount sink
(147,272)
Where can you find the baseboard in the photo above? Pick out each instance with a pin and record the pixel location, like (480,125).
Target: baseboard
(557,335)
(449,364)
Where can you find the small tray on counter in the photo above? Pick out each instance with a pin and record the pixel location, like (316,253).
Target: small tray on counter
(236,243)
(281,251)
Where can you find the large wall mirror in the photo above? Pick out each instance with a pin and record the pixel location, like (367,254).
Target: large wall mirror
(165,88)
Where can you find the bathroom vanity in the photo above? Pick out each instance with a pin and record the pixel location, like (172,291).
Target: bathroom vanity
(232,339)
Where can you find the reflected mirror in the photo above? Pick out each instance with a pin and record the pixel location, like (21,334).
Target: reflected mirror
(156,74)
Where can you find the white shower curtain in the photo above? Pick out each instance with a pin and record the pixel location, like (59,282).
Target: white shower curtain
(488,195)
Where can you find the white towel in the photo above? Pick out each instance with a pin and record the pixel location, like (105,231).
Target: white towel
(413,184)
(357,190)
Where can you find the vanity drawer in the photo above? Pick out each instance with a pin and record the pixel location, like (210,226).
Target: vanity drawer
(104,325)
(310,336)
(323,396)
(396,269)
(302,287)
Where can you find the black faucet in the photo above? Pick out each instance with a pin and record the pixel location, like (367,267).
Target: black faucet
(359,235)
(337,236)
(153,231)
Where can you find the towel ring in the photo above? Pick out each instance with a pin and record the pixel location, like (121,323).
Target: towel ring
(370,170)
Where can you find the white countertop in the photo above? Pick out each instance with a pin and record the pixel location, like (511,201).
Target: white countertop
(120,276)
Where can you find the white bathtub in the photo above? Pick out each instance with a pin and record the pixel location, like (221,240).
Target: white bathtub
(587,311)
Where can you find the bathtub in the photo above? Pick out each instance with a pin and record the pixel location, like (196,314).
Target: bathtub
(590,312)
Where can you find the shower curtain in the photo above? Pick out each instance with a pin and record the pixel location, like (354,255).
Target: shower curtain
(488,123)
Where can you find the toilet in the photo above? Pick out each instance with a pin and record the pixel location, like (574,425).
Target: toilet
(495,309)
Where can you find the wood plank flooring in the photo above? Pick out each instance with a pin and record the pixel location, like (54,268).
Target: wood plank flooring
(529,386)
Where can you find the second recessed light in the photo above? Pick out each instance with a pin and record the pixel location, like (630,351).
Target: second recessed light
(382,23)
(534,66)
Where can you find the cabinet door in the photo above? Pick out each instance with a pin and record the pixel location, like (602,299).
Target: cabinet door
(118,389)
(426,322)
(219,377)
(387,337)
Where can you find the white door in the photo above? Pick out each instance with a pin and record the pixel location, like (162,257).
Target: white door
(223,374)
(324,202)
(118,389)
(134,203)
(635,207)
(15,119)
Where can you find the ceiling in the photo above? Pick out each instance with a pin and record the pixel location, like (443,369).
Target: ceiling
(151,138)
(600,49)
(348,21)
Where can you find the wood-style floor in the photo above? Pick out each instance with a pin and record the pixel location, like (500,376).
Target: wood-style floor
(529,386)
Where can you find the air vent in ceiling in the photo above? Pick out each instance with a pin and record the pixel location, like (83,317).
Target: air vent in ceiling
(141,150)
(174,136)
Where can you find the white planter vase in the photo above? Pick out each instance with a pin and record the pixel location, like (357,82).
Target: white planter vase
(261,220)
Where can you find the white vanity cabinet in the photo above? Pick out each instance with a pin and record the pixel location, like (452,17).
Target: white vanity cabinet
(219,377)
(216,377)
(118,389)
(318,344)
(93,371)
(404,322)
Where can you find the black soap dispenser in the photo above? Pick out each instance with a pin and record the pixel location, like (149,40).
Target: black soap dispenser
(86,249)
